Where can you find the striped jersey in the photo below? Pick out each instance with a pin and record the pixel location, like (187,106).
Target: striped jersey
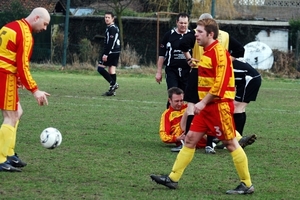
(16,44)
(169,127)
(215,73)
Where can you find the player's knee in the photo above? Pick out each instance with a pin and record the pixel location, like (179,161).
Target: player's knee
(100,69)
(191,139)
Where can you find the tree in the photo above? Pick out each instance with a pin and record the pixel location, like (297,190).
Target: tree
(14,11)
(179,6)
(119,6)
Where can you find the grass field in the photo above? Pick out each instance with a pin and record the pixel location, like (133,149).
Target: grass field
(111,145)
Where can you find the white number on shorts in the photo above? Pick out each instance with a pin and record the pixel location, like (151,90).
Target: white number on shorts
(218,131)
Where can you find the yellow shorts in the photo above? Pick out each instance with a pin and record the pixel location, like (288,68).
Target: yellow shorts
(8,92)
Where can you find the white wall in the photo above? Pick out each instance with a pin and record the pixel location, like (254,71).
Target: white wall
(275,39)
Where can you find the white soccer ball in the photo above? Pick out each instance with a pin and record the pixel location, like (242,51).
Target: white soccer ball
(50,138)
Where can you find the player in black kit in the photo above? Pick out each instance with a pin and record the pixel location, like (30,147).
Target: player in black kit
(247,83)
(176,67)
(111,54)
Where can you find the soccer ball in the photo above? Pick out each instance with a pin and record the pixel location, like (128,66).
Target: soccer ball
(50,138)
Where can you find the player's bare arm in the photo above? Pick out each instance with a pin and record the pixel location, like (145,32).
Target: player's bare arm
(158,76)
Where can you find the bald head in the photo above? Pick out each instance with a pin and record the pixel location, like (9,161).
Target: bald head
(205,16)
(39,19)
(42,12)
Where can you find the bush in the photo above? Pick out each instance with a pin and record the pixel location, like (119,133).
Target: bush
(129,57)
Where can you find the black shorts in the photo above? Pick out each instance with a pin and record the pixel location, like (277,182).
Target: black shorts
(177,77)
(247,93)
(112,60)
(191,91)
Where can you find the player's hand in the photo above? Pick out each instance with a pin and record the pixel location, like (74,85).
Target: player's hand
(19,83)
(198,107)
(193,62)
(158,77)
(181,137)
(41,97)
(104,58)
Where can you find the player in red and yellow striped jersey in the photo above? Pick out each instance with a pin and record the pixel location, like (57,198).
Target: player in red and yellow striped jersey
(16,44)
(172,122)
(214,111)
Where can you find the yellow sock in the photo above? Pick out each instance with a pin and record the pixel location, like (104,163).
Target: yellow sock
(2,158)
(184,157)
(240,161)
(7,135)
(238,135)
(11,149)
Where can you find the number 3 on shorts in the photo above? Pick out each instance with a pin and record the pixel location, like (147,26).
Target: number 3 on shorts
(218,131)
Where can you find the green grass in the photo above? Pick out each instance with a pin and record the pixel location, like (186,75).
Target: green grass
(111,145)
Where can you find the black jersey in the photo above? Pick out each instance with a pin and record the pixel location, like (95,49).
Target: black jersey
(243,72)
(187,42)
(112,43)
(169,48)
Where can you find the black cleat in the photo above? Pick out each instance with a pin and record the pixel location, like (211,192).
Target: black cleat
(5,167)
(164,180)
(247,140)
(112,90)
(114,87)
(176,149)
(221,146)
(15,161)
(241,189)
(109,93)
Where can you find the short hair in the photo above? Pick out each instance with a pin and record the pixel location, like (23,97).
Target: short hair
(205,16)
(210,25)
(174,90)
(110,13)
(184,15)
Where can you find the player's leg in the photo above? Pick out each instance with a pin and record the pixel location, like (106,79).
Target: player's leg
(11,150)
(8,105)
(209,148)
(222,125)
(185,123)
(243,140)
(240,116)
(7,131)
(183,159)
(12,157)
(244,95)
(191,96)
(183,78)
(171,79)
(239,108)
(113,60)
(185,155)
(240,161)
(102,71)
(113,85)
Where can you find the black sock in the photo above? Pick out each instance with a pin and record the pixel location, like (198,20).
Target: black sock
(209,141)
(240,121)
(105,75)
(114,78)
(188,123)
